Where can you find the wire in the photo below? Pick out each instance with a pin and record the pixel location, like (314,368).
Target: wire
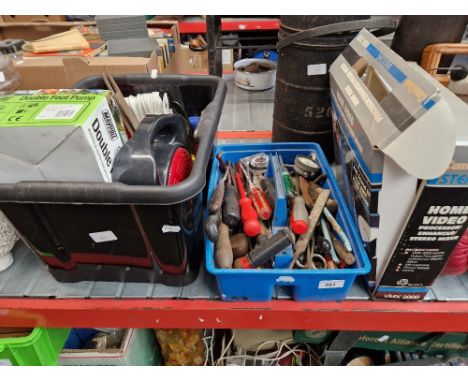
(207,351)
(212,346)
(298,351)
(226,348)
(257,358)
(272,357)
(223,344)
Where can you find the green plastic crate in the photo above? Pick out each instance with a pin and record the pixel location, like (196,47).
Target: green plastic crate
(40,348)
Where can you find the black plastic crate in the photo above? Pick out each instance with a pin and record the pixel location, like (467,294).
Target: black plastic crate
(159,229)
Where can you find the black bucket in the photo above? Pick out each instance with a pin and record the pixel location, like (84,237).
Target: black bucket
(302,110)
(298,23)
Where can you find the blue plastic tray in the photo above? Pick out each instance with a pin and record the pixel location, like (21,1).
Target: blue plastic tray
(303,285)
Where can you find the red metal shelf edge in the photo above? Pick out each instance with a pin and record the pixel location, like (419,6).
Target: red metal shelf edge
(151,313)
(242,134)
(187,27)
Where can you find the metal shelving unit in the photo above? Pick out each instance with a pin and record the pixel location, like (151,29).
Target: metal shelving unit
(29,296)
(215,26)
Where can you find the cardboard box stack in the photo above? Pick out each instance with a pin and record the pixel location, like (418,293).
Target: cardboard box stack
(62,71)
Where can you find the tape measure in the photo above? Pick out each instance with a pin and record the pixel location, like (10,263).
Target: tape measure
(306,166)
(259,162)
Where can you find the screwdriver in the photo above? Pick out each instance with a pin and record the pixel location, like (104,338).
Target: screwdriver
(304,184)
(347,257)
(339,231)
(217,197)
(299,216)
(325,247)
(327,236)
(268,188)
(248,214)
(223,255)
(230,209)
(258,198)
(301,244)
(311,190)
(211,226)
(287,180)
(221,163)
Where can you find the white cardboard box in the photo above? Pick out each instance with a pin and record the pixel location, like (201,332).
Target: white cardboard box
(69,135)
(401,142)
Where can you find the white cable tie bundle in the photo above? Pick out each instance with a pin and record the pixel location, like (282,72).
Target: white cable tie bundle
(149,103)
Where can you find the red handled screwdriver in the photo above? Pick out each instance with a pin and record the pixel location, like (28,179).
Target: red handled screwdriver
(250,222)
(259,200)
(299,217)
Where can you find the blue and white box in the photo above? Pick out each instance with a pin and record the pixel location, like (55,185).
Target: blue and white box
(401,142)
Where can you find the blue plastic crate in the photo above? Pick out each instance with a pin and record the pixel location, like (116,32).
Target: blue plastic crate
(302,285)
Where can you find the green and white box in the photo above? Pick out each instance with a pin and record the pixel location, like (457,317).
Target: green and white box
(59,135)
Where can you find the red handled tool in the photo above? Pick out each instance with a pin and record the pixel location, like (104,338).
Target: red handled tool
(299,218)
(249,218)
(259,200)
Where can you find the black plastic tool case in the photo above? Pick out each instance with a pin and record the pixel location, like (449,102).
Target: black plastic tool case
(159,230)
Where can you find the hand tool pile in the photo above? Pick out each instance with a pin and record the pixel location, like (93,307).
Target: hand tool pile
(263,209)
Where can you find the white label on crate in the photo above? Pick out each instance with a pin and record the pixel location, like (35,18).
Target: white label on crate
(226,56)
(102,237)
(316,69)
(170,228)
(285,279)
(5,362)
(2,77)
(331,284)
(59,111)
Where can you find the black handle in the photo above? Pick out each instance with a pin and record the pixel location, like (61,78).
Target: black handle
(387,23)
(269,248)
(118,193)
(155,138)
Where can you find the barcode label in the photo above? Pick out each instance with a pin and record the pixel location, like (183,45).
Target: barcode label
(5,362)
(226,56)
(331,284)
(170,228)
(102,237)
(59,111)
(316,69)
